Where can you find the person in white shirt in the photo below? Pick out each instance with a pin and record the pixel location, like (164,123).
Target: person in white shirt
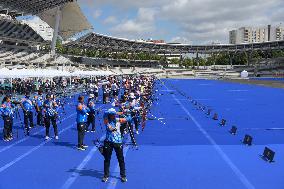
(114,90)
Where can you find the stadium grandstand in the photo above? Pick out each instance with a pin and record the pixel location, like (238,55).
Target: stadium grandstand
(26,43)
(15,31)
(166,52)
(113,44)
(33,44)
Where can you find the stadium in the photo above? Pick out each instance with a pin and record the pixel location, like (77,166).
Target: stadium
(177,115)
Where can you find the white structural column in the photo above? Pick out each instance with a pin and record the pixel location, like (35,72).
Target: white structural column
(56,29)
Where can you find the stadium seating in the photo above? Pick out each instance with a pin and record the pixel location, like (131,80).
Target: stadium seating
(15,31)
(13,57)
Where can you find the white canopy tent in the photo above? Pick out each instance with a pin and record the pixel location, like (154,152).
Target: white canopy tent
(91,73)
(31,73)
(244,74)
(46,73)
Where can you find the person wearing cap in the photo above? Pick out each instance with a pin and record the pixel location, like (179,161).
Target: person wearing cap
(92,113)
(39,107)
(82,119)
(51,114)
(7,112)
(27,107)
(113,141)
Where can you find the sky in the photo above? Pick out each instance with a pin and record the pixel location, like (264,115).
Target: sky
(184,21)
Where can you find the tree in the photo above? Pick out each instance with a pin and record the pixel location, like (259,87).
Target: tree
(60,48)
(187,63)
(174,61)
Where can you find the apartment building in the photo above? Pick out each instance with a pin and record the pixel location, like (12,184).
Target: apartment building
(256,35)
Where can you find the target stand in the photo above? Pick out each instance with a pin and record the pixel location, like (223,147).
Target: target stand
(223,123)
(233,130)
(215,117)
(248,140)
(208,112)
(268,155)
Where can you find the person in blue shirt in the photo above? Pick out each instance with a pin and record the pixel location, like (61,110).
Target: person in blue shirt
(51,115)
(113,141)
(27,106)
(92,113)
(39,107)
(7,113)
(82,119)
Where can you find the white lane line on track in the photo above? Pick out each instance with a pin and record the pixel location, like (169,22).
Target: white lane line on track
(113,181)
(205,84)
(204,99)
(224,156)
(28,137)
(237,90)
(3,168)
(72,178)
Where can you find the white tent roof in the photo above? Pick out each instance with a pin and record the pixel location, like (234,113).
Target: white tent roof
(72,21)
(26,73)
(244,74)
(92,73)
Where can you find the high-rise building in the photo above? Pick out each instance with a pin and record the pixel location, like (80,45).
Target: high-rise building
(256,35)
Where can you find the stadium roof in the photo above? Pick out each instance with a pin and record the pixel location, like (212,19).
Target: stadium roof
(33,7)
(107,43)
(72,19)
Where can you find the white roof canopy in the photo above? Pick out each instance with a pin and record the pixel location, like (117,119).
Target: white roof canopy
(46,73)
(91,73)
(72,20)
(29,73)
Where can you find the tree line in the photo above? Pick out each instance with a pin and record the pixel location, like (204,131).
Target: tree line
(222,58)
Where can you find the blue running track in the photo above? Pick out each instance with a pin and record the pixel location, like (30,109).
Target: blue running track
(181,147)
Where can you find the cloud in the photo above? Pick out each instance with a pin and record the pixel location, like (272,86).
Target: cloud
(97,14)
(137,27)
(179,39)
(207,20)
(130,4)
(110,20)
(199,21)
